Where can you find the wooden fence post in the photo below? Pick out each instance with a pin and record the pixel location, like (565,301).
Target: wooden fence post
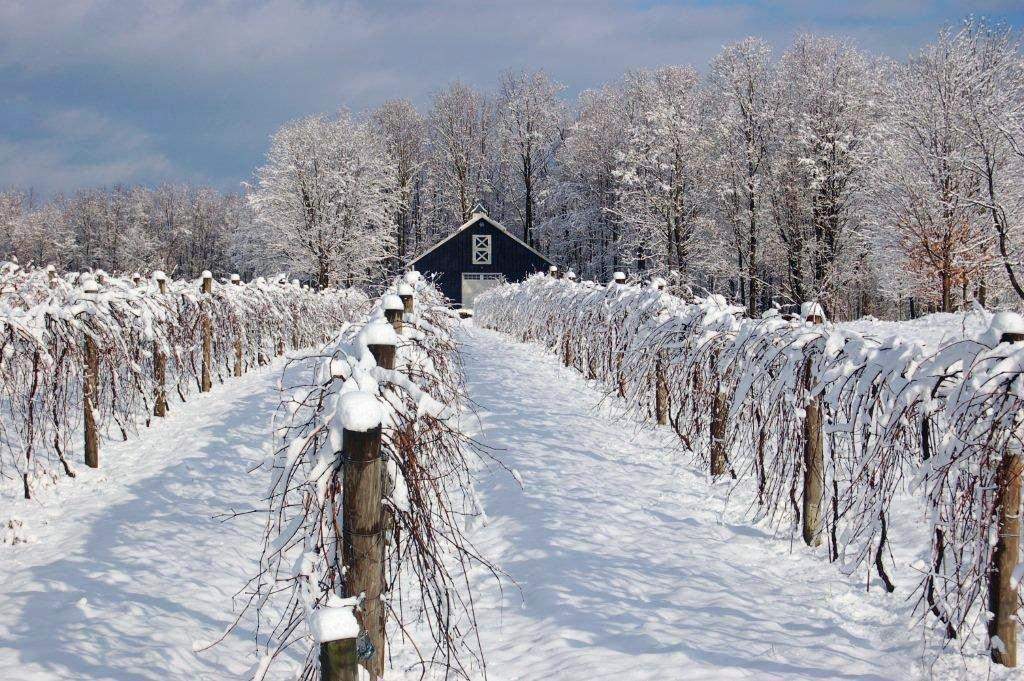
(239,366)
(362,525)
(393,311)
(339,660)
(90,388)
(405,294)
(207,322)
(661,389)
(814,454)
(719,413)
(1002,591)
(160,361)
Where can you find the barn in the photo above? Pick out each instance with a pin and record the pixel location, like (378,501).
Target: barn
(477,256)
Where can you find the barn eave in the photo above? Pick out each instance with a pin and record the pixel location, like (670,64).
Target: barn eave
(469,223)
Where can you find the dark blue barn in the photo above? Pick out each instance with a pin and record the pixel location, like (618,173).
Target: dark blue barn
(477,256)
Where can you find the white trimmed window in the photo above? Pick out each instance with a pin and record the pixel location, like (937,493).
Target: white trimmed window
(481,249)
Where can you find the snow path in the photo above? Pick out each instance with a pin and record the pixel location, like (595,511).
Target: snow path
(627,569)
(129,566)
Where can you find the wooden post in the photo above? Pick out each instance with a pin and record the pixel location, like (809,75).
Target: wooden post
(719,413)
(1002,592)
(339,660)
(239,366)
(362,527)
(207,288)
(384,355)
(814,457)
(661,389)
(393,311)
(405,294)
(160,362)
(90,389)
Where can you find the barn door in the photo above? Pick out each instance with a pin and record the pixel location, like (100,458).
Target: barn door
(475,283)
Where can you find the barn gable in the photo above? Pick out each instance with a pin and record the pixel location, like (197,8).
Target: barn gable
(478,254)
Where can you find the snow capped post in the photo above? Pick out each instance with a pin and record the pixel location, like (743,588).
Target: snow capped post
(90,383)
(619,278)
(553,272)
(1007,327)
(239,365)
(381,339)
(160,359)
(362,514)
(393,309)
(405,294)
(51,275)
(814,444)
(207,289)
(336,629)
(661,389)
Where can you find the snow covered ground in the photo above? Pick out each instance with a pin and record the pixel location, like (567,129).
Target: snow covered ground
(625,566)
(128,565)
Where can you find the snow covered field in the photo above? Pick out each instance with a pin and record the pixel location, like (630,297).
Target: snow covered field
(624,564)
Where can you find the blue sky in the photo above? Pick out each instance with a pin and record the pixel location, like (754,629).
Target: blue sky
(95,92)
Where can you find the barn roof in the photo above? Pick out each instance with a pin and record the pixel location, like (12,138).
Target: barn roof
(469,223)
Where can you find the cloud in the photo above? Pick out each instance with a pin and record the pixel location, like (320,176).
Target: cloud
(194,88)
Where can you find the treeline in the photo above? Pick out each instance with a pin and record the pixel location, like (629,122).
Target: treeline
(178,229)
(875,186)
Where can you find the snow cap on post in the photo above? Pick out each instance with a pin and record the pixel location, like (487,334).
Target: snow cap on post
(158,275)
(570,275)
(89,284)
(378,332)
(405,290)
(1006,327)
(207,274)
(391,302)
(235,279)
(359,411)
(334,621)
(412,277)
(812,312)
(619,277)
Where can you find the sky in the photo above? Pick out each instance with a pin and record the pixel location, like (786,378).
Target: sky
(98,92)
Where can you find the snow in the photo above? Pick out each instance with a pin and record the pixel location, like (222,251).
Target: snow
(359,411)
(378,332)
(391,302)
(335,621)
(624,563)
(132,566)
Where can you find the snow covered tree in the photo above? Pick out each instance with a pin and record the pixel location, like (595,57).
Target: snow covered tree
(325,201)
(993,125)
(531,119)
(461,125)
(744,83)
(403,131)
(583,232)
(828,114)
(924,196)
(662,191)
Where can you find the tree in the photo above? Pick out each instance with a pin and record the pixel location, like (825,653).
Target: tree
(923,194)
(460,131)
(662,198)
(993,125)
(744,82)
(325,200)
(531,118)
(828,113)
(403,131)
